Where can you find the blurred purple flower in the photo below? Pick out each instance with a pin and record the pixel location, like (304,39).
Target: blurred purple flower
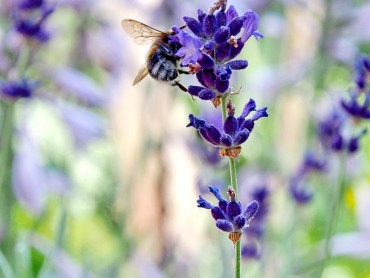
(17,89)
(32,181)
(30,4)
(84,124)
(30,23)
(106,47)
(79,85)
(310,164)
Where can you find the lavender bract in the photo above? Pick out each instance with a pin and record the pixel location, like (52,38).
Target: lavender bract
(229,215)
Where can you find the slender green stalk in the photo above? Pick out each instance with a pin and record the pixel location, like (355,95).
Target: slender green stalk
(6,161)
(233,181)
(335,210)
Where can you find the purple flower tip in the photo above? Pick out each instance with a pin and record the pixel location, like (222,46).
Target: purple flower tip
(203,203)
(214,190)
(195,122)
(251,210)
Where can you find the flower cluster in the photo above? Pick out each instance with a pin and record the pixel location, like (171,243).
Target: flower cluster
(235,130)
(331,135)
(229,215)
(208,51)
(358,104)
(29,18)
(310,164)
(17,89)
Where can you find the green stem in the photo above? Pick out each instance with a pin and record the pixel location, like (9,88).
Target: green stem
(335,210)
(6,161)
(233,181)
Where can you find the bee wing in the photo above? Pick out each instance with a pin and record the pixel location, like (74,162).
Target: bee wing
(141,74)
(140,32)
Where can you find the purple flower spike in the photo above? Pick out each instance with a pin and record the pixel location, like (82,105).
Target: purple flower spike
(229,216)
(235,131)
(17,89)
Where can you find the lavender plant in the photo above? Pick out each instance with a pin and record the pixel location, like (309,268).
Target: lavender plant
(209,51)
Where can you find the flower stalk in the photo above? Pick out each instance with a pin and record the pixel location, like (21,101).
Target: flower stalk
(234,184)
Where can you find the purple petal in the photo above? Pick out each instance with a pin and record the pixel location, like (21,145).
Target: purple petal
(251,210)
(239,222)
(223,51)
(249,107)
(210,25)
(213,134)
(236,24)
(241,137)
(221,18)
(222,86)
(207,94)
(224,225)
(226,140)
(217,213)
(194,26)
(233,209)
(206,61)
(231,13)
(230,126)
(222,35)
(203,203)
(238,64)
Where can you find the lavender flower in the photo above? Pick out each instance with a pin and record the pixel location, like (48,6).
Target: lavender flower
(311,164)
(230,216)
(216,40)
(235,130)
(358,105)
(355,109)
(17,89)
(330,134)
(29,19)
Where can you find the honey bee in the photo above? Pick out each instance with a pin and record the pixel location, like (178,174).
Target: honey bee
(161,62)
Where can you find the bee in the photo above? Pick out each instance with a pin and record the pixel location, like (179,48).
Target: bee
(161,62)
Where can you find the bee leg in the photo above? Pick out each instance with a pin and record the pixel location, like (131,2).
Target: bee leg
(183,71)
(176,83)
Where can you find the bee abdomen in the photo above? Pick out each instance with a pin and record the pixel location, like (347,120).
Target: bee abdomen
(161,68)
